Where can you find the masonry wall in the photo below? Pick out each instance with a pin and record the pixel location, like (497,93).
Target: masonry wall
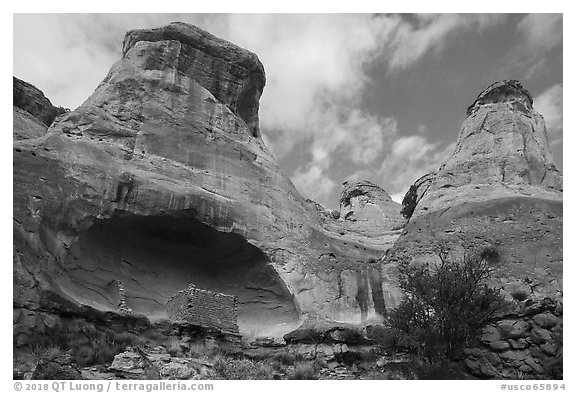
(205,308)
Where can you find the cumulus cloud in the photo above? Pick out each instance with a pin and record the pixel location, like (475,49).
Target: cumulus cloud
(542,31)
(538,35)
(408,158)
(549,105)
(317,77)
(315,66)
(313,182)
(430,32)
(355,136)
(54,60)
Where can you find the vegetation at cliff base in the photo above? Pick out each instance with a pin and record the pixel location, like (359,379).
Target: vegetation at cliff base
(446,303)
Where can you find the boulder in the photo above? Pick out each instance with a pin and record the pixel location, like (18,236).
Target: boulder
(134,364)
(546,320)
(490,334)
(303,335)
(499,346)
(539,335)
(514,329)
(537,368)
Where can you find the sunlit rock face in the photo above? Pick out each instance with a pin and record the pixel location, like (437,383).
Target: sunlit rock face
(500,179)
(502,148)
(367,208)
(499,188)
(161,179)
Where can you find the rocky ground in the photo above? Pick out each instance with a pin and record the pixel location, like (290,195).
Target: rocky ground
(263,359)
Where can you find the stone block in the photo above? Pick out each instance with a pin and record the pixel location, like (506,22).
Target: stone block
(533,365)
(519,343)
(499,346)
(511,356)
(490,334)
(325,350)
(549,349)
(538,354)
(493,358)
(546,320)
(514,329)
(539,335)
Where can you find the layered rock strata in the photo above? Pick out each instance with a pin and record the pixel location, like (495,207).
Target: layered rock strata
(500,188)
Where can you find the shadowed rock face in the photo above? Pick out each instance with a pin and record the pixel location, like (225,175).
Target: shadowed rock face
(499,188)
(160,179)
(500,92)
(33,112)
(153,255)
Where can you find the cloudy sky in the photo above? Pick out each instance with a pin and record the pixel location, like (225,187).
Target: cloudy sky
(348,96)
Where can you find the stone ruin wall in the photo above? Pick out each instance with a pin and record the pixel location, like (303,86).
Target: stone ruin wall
(205,308)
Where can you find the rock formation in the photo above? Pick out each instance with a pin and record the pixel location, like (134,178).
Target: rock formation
(499,188)
(33,112)
(161,179)
(369,209)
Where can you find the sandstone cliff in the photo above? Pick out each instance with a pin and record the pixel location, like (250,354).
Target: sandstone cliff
(499,188)
(161,179)
(33,112)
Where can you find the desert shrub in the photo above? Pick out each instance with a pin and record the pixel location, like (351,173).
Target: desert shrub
(277,365)
(348,358)
(99,347)
(441,370)
(386,338)
(84,355)
(241,369)
(285,358)
(319,364)
(446,303)
(196,349)
(47,352)
(173,347)
(304,370)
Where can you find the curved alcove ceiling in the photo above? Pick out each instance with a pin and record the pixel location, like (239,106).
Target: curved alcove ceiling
(155,256)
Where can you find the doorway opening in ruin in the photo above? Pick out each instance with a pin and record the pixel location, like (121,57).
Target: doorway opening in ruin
(154,257)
